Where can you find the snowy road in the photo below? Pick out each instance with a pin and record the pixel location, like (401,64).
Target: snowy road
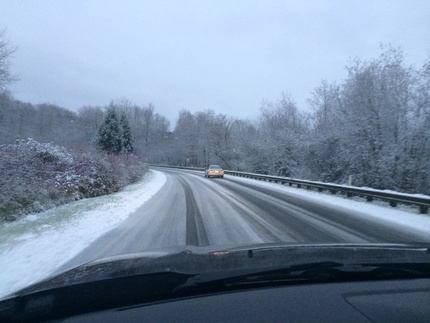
(178,208)
(193,210)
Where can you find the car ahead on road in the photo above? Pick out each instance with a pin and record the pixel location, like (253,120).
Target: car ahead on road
(252,283)
(214,171)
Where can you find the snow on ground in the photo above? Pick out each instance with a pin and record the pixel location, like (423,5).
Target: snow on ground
(34,247)
(404,216)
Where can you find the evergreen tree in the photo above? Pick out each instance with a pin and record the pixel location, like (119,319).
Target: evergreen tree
(110,133)
(127,146)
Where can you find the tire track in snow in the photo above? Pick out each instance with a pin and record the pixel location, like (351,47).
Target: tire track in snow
(196,232)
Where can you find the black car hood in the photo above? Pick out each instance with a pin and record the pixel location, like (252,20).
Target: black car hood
(164,275)
(220,261)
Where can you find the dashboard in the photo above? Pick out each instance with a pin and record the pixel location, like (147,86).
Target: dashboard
(365,301)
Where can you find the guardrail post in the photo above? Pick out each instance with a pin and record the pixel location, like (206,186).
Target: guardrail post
(424,209)
(393,203)
(369,198)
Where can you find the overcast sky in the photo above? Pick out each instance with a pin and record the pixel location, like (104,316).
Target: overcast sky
(222,55)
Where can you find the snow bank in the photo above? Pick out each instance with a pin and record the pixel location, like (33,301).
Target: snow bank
(33,248)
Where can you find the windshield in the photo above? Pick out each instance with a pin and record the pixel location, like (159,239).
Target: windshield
(314,117)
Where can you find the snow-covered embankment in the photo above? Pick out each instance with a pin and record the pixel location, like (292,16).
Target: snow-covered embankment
(34,247)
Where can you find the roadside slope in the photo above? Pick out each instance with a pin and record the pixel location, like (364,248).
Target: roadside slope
(34,247)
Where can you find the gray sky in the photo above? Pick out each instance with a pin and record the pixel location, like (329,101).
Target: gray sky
(222,55)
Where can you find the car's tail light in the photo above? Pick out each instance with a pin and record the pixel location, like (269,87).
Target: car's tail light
(220,253)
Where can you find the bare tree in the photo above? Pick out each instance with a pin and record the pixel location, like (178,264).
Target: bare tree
(184,149)
(325,158)
(148,116)
(6,51)
(377,101)
(90,120)
(283,131)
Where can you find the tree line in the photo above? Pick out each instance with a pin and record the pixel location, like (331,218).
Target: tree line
(374,125)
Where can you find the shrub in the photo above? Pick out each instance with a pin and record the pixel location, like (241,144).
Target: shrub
(36,176)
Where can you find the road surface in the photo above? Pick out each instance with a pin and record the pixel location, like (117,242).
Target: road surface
(193,210)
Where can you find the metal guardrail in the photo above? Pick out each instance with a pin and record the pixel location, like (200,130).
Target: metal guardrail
(393,198)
